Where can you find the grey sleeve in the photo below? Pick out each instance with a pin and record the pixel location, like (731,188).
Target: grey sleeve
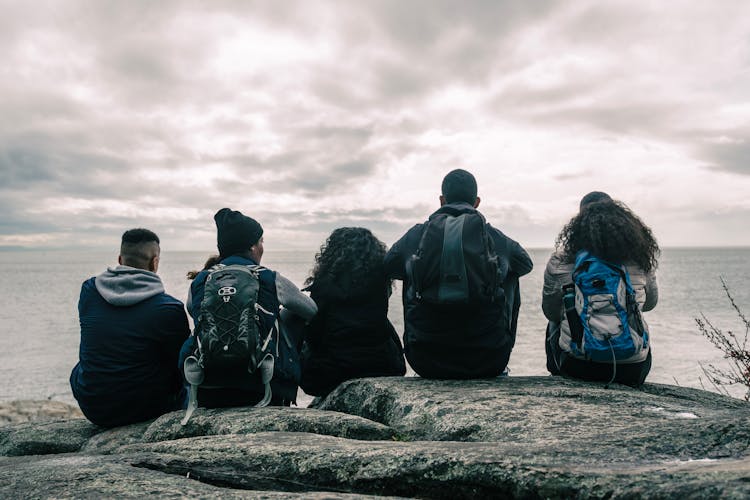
(556,274)
(652,292)
(293,299)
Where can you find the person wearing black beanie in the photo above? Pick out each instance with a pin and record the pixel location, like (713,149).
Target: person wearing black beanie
(239,239)
(235,232)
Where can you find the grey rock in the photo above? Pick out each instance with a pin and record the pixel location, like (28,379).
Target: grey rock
(42,438)
(297,462)
(14,412)
(108,441)
(554,417)
(81,476)
(517,437)
(241,421)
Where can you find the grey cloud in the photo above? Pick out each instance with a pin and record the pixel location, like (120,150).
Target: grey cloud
(570,176)
(421,24)
(430,45)
(387,223)
(62,169)
(728,157)
(355,168)
(599,22)
(720,149)
(323,180)
(16,219)
(631,118)
(333,121)
(21,167)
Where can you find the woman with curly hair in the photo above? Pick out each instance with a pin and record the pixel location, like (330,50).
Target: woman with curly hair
(607,229)
(351,336)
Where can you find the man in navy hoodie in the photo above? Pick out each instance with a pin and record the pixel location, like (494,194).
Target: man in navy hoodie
(131,333)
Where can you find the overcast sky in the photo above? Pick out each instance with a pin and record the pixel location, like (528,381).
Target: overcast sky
(313,115)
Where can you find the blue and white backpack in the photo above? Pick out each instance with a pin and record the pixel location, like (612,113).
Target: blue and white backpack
(611,327)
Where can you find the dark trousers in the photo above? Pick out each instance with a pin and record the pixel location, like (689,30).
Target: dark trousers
(559,363)
(440,361)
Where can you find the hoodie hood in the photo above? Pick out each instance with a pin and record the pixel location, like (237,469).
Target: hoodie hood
(125,286)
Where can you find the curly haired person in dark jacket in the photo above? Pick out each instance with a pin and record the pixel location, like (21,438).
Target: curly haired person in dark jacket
(351,336)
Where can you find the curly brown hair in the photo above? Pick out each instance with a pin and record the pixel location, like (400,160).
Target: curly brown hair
(611,231)
(351,258)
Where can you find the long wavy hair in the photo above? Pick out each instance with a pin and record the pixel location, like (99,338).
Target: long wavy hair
(350,259)
(611,231)
(210,262)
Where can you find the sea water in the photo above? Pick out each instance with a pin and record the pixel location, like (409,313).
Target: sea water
(39,319)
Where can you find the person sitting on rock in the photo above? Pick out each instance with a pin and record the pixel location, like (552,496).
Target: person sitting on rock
(460,287)
(351,336)
(131,333)
(240,242)
(607,229)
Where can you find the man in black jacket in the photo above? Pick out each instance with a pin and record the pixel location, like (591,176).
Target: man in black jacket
(471,340)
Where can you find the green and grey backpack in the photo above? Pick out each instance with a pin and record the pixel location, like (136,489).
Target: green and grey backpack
(229,334)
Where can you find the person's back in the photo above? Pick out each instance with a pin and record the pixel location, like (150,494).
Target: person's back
(470,340)
(131,332)
(351,336)
(240,243)
(606,230)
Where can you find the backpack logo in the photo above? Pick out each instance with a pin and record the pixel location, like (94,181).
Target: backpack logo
(230,335)
(226,292)
(455,262)
(603,315)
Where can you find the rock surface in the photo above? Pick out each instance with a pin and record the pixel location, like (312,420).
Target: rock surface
(551,416)
(89,476)
(240,421)
(42,438)
(525,437)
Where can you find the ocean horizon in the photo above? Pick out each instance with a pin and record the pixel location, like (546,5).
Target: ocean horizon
(41,334)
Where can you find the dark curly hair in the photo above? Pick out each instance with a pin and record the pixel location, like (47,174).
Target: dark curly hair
(351,259)
(611,231)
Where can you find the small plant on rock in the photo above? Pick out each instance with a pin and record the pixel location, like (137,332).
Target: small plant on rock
(733,346)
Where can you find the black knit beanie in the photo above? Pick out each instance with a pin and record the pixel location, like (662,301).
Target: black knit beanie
(235,232)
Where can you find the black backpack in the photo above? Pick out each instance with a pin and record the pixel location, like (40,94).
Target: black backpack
(455,262)
(228,333)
